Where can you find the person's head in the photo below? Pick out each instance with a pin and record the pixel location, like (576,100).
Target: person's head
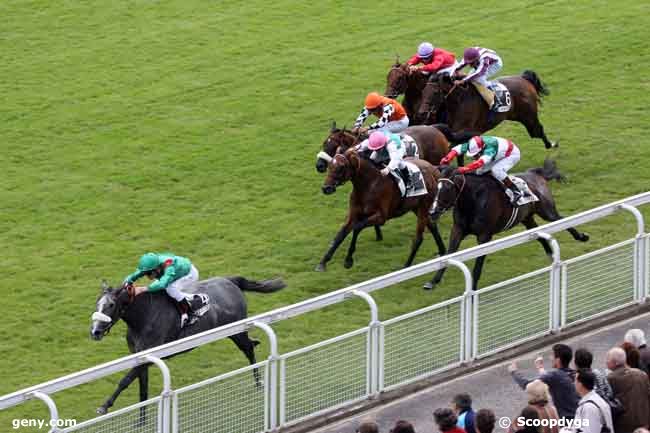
(585,381)
(484,421)
(562,355)
(636,337)
(632,355)
(616,358)
(368,427)
(461,403)
(528,414)
(425,51)
(583,358)
(402,426)
(471,55)
(445,418)
(537,392)
(377,140)
(149,264)
(374,102)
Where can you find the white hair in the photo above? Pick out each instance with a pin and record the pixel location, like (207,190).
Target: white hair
(617,356)
(635,336)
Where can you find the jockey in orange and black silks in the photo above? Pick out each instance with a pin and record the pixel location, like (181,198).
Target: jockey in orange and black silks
(392,116)
(493,155)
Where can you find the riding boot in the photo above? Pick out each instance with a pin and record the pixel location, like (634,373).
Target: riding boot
(516,193)
(185,307)
(406,176)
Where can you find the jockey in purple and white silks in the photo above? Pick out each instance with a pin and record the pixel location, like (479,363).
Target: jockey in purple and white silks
(485,64)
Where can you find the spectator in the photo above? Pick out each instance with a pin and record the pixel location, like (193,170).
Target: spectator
(446,420)
(583,359)
(462,407)
(368,427)
(593,411)
(525,422)
(484,421)
(559,380)
(539,398)
(402,426)
(637,337)
(632,387)
(632,355)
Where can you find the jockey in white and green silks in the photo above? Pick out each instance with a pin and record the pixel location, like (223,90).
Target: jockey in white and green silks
(492,154)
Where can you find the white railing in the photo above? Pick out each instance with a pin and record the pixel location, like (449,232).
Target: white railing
(383,355)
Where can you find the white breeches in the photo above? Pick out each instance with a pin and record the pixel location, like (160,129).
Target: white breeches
(491,70)
(500,168)
(175,289)
(395,126)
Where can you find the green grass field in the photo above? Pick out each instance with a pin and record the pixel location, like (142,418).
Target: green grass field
(192,126)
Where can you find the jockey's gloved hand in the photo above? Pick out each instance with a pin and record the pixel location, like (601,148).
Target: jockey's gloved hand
(385,171)
(463,170)
(448,158)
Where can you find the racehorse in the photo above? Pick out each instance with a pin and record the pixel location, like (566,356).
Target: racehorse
(464,109)
(153,319)
(482,208)
(375,199)
(402,81)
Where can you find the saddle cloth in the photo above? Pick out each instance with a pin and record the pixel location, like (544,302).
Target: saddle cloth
(417,186)
(502,100)
(528,197)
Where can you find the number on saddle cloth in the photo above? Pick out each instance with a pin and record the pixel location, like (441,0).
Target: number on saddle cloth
(502,99)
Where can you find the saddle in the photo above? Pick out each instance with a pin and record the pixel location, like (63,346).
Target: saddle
(527,195)
(416,186)
(199,305)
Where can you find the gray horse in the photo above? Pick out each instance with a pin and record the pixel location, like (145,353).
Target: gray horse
(153,319)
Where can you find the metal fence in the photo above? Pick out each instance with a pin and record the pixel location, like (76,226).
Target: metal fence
(301,384)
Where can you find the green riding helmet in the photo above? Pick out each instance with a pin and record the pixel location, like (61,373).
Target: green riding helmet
(148,262)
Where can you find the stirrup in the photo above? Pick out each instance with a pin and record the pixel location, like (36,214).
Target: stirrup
(184,319)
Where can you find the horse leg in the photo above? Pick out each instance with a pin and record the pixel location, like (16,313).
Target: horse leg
(536,130)
(143,380)
(433,228)
(340,236)
(124,383)
(378,235)
(549,213)
(530,223)
(356,229)
(423,218)
(478,265)
(247,346)
(455,238)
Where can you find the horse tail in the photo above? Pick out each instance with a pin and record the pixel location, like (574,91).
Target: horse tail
(549,171)
(540,87)
(264,286)
(454,137)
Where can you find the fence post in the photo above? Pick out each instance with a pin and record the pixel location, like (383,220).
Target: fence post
(375,364)
(164,417)
(469,330)
(556,286)
(640,272)
(272,390)
(54,413)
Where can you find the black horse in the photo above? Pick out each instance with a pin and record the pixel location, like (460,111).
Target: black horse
(482,208)
(153,319)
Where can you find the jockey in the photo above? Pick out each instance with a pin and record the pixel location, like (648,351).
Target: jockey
(492,154)
(172,274)
(435,60)
(485,63)
(392,116)
(386,147)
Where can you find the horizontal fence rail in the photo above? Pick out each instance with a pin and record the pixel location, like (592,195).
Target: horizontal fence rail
(383,355)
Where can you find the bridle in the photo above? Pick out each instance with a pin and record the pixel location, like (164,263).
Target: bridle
(104,318)
(459,191)
(439,93)
(395,94)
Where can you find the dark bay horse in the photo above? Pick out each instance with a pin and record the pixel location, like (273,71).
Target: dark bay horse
(482,208)
(463,108)
(400,80)
(375,199)
(153,319)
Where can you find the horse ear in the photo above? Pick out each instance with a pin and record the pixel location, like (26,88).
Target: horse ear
(397,59)
(104,286)
(333,126)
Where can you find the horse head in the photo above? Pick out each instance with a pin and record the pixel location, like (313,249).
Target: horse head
(340,169)
(110,306)
(450,186)
(433,96)
(338,141)
(397,80)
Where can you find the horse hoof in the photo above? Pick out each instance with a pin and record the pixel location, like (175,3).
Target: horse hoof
(379,238)
(429,285)
(584,237)
(320,268)
(102,410)
(347,264)
(555,144)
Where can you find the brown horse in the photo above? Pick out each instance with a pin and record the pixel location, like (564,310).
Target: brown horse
(400,80)
(481,208)
(375,199)
(463,108)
